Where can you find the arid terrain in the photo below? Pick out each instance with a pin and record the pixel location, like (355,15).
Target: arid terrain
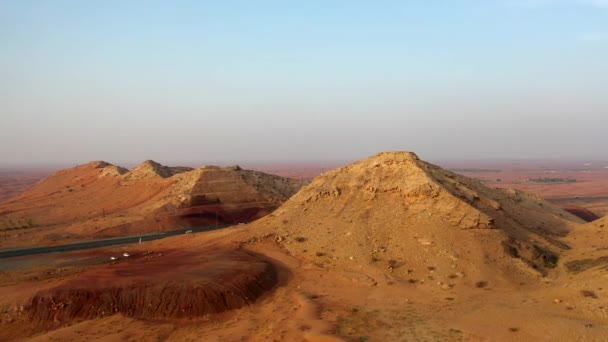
(567,184)
(389,248)
(17,179)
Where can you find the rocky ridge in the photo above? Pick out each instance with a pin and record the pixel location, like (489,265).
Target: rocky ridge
(400,209)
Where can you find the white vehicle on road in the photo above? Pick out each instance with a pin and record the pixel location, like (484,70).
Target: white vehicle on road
(188,231)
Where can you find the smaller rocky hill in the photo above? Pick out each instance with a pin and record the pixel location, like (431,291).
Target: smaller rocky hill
(212,194)
(99,199)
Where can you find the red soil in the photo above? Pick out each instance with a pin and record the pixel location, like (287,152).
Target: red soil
(582,213)
(171,284)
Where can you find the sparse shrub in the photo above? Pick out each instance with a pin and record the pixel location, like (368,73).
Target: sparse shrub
(301,239)
(588,294)
(320,254)
(513,329)
(552,180)
(357,324)
(481,284)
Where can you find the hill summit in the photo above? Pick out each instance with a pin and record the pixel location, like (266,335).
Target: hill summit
(151,169)
(398,209)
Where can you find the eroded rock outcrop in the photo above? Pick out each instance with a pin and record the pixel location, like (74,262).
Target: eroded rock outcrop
(171,284)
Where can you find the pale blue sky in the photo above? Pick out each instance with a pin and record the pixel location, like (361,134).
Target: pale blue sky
(226,81)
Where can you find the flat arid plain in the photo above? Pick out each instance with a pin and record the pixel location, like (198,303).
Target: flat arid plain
(388,248)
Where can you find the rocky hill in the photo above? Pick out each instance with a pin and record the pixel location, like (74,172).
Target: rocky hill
(403,214)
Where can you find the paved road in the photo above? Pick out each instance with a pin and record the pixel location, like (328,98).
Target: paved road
(102,243)
(578,199)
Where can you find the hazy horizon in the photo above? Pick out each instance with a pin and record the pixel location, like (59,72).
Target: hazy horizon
(244,82)
(595,164)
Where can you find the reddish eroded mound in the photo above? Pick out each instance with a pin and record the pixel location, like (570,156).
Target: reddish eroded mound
(582,213)
(171,284)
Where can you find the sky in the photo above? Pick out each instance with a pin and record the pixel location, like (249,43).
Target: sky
(284,81)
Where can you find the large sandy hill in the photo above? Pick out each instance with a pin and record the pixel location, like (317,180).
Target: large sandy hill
(404,214)
(99,199)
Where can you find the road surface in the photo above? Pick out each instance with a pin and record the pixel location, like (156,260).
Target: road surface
(102,243)
(578,199)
